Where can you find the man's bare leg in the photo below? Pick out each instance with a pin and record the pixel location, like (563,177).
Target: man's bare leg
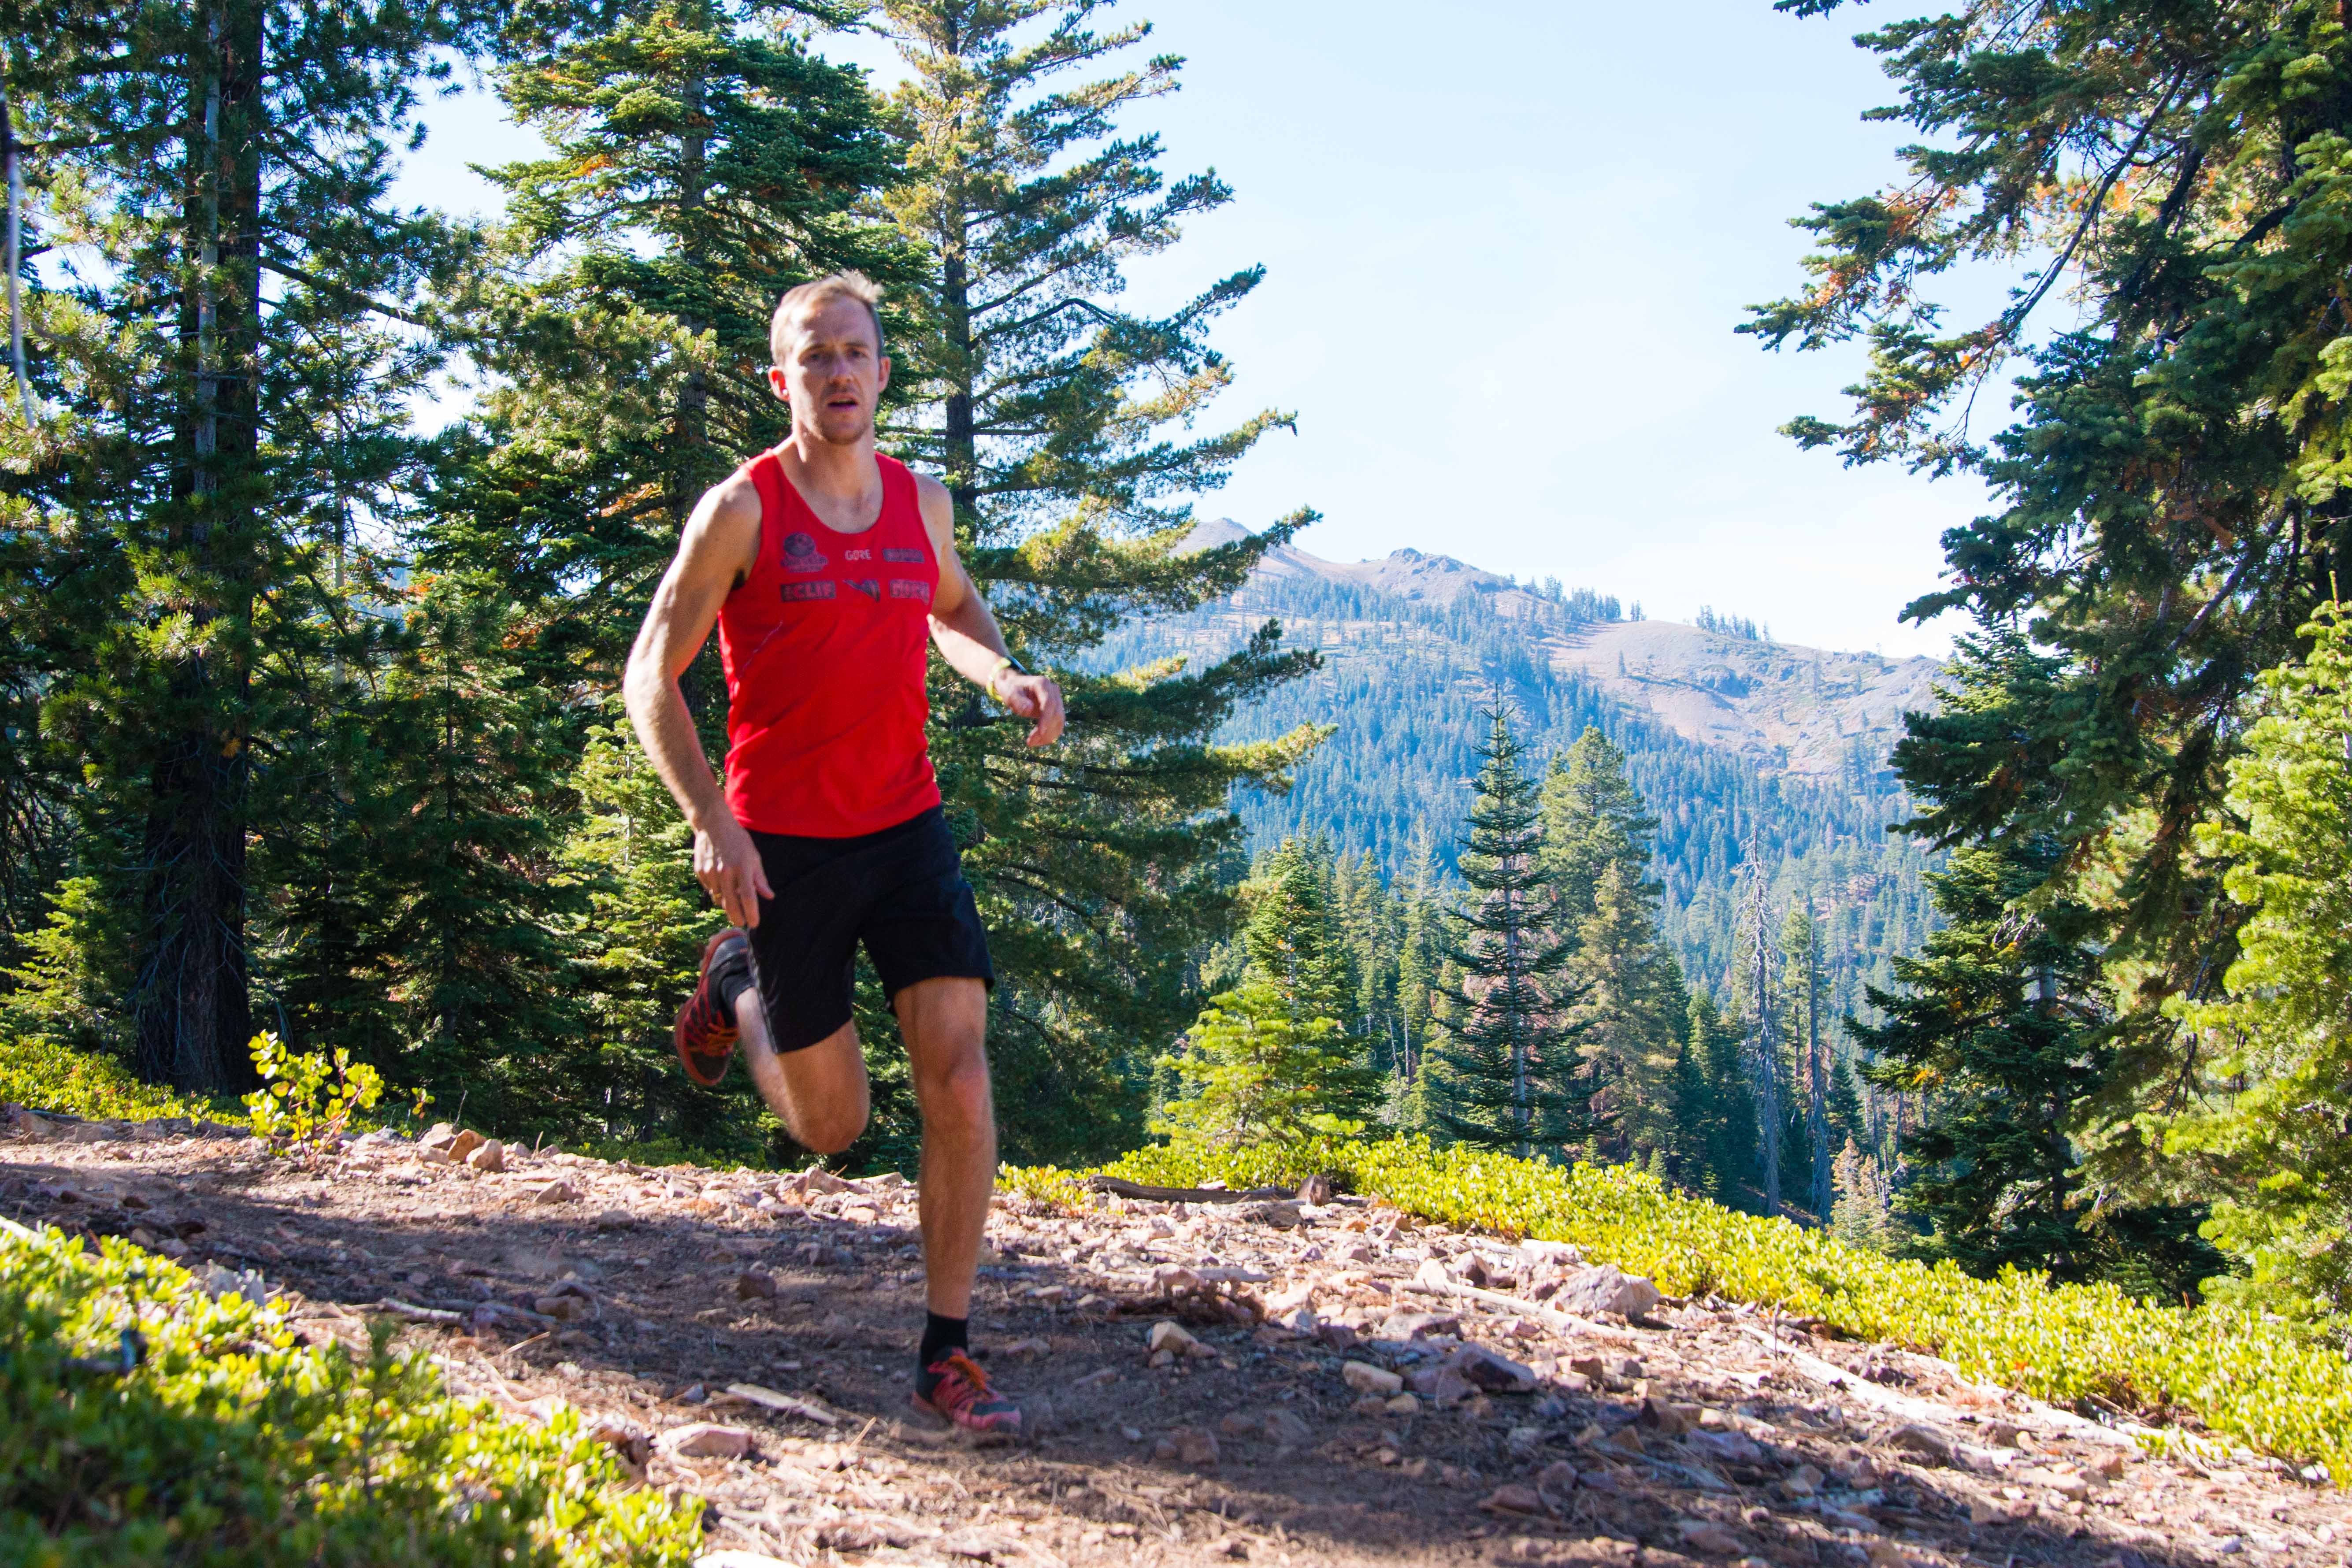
(819,1093)
(945,1023)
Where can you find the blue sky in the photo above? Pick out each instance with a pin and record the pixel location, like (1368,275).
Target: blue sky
(1506,245)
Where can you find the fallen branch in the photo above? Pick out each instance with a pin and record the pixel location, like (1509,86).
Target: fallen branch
(1126,1189)
(769,1399)
(1559,1322)
(418,1314)
(1831,1376)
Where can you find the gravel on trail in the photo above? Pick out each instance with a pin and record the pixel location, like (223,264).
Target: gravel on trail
(1292,1382)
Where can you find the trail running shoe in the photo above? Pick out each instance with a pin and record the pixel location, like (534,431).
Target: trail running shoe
(704,1032)
(961,1396)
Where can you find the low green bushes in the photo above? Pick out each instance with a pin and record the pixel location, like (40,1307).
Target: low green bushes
(46,1076)
(232,1444)
(2260,1382)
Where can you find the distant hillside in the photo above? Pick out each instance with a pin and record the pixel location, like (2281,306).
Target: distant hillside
(1735,741)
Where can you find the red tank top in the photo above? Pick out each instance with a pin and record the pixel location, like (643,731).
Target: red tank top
(824,647)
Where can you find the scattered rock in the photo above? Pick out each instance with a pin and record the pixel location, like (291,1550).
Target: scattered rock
(1366,1378)
(564,1309)
(1440,1385)
(555,1191)
(1664,1418)
(437,1139)
(1802,1481)
(491,1158)
(1590,1291)
(1705,1535)
(1419,1325)
(1729,1447)
(462,1146)
(1496,1375)
(1316,1189)
(1925,1441)
(1174,1339)
(1556,1479)
(1513,1498)
(1288,1429)
(1238,1425)
(705,1440)
(754,1285)
(1283,1216)
(1194,1446)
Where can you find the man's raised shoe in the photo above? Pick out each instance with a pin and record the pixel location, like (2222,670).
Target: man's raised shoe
(704,1032)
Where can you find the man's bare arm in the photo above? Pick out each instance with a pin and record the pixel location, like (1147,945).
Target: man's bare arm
(719,547)
(965,631)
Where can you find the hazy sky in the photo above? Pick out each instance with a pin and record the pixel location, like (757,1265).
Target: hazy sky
(1507,244)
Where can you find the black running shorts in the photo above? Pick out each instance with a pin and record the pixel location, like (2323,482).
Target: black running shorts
(900,891)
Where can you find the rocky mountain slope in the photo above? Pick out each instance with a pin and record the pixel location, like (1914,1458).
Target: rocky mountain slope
(1286,1382)
(1802,711)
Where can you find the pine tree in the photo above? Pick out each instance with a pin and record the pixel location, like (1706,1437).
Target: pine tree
(1764,1067)
(1629,1002)
(701,164)
(1594,819)
(1252,1072)
(1800,978)
(2160,525)
(2270,1137)
(218,409)
(1511,1081)
(485,994)
(1056,420)
(1730,1122)
(1293,937)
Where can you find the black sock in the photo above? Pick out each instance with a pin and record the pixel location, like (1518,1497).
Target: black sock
(730,976)
(940,1335)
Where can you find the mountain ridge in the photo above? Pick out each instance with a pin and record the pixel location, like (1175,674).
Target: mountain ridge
(1786,707)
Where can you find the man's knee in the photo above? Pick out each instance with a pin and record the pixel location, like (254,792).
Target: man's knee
(830,1130)
(954,1085)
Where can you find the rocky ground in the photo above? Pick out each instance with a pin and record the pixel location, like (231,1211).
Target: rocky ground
(1336,1385)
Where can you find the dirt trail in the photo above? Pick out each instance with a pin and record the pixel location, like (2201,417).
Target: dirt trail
(642,1295)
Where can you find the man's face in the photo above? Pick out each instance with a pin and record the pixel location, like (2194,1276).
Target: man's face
(833,376)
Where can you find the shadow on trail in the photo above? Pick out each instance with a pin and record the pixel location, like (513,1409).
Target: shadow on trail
(674,1300)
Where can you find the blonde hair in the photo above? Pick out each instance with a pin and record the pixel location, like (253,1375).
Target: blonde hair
(798,301)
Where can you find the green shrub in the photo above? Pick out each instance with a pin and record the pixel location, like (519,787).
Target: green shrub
(47,1076)
(2256,1380)
(232,1444)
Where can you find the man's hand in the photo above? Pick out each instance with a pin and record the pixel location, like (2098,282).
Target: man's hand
(727,864)
(1033,697)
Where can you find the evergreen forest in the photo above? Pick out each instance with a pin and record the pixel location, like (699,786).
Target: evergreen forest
(308,718)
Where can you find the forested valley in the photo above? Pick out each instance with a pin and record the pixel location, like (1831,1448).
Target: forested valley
(308,714)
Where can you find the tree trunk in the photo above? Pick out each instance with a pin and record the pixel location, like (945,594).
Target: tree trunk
(963,439)
(1817,1107)
(1768,1088)
(191,1011)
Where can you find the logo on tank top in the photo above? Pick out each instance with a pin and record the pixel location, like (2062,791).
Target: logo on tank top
(801,554)
(906,588)
(867,586)
(902,556)
(820,589)
(857,556)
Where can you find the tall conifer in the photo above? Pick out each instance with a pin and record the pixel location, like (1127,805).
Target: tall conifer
(1512,1080)
(1058,421)
(225,381)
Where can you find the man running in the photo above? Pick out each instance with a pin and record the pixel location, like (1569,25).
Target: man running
(826,566)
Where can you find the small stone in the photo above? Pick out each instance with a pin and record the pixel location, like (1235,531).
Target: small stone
(1194,1446)
(2002,1433)
(491,1158)
(1169,1335)
(1287,1428)
(706,1440)
(1402,1405)
(1163,1359)
(1589,1292)
(437,1137)
(1482,1368)
(1440,1385)
(462,1145)
(1802,1481)
(1705,1535)
(1134,1434)
(1366,1378)
(1729,1447)
(1666,1419)
(1238,1425)
(1419,1325)
(555,1191)
(1513,1498)
(1525,1440)
(1925,1441)
(753,1285)
(564,1309)
(1557,1479)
